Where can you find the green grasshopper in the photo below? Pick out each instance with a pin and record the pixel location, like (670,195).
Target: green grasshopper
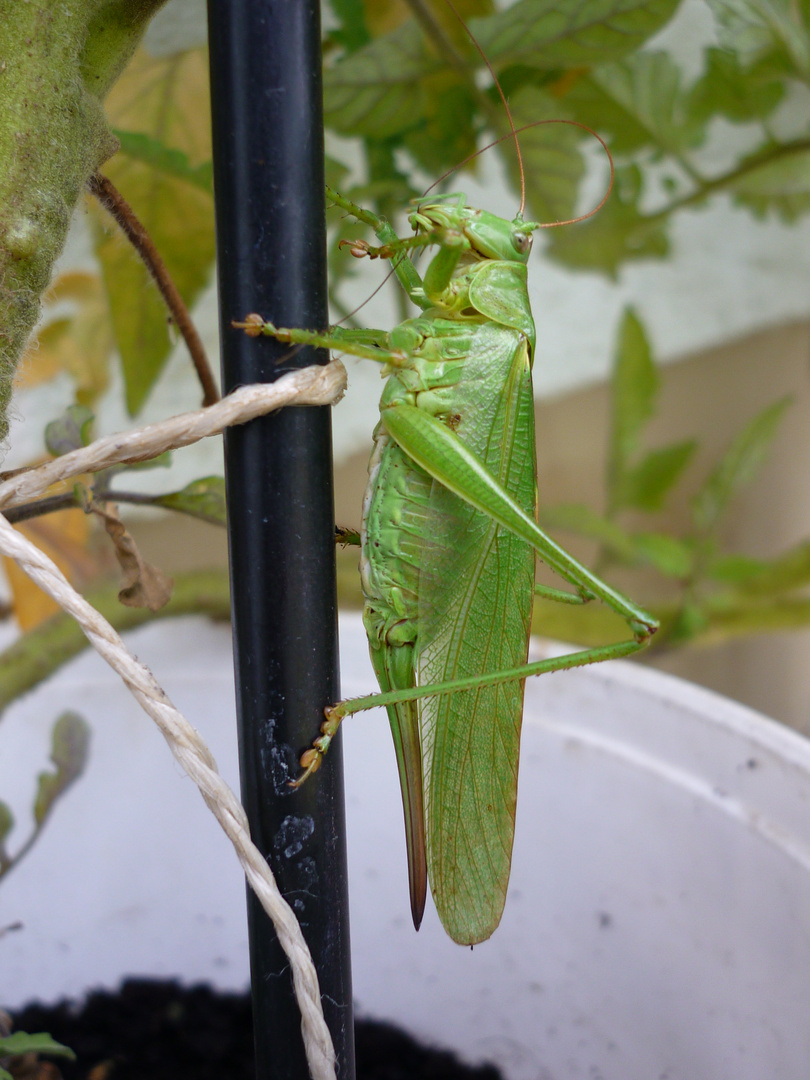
(449,541)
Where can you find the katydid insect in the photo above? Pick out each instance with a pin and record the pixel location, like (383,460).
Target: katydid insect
(449,542)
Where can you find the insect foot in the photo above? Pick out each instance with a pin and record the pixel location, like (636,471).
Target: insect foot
(311,759)
(253,325)
(358,248)
(643,631)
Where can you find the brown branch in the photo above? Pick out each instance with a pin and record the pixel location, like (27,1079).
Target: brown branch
(113,201)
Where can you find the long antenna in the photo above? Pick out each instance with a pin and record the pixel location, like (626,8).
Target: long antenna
(527,127)
(514,134)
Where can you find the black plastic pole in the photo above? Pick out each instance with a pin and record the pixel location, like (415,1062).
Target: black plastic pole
(268,178)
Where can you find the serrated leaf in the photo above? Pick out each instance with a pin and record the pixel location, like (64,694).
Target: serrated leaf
(552,160)
(618,233)
(70,743)
(752,28)
(445,133)
(166,99)
(204,499)
(637,102)
(6,824)
(553,34)
(738,466)
(71,431)
(633,389)
(376,91)
(646,485)
(726,89)
(20,1042)
(166,159)
(781,185)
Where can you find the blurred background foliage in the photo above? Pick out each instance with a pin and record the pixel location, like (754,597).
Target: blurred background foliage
(404,83)
(406,87)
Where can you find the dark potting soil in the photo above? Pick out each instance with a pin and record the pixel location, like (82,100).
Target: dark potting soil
(158,1030)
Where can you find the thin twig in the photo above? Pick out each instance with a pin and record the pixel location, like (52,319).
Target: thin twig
(114,202)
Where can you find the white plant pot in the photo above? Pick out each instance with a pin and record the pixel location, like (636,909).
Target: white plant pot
(658,918)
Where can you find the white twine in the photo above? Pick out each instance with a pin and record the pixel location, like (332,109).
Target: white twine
(322,385)
(310,386)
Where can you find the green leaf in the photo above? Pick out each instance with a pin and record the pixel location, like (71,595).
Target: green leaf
(377,91)
(70,744)
(166,159)
(646,485)
(781,185)
(634,386)
(637,102)
(445,133)
(203,499)
(667,554)
(738,466)
(165,99)
(70,432)
(353,32)
(20,1042)
(552,160)
(726,89)
(553,34)
(762,577)
(6,824)
(752,28)
(689,623)
(582,521)
(735,569)
(617,234)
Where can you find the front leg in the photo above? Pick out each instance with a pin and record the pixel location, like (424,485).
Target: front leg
(406,272)
(367,344)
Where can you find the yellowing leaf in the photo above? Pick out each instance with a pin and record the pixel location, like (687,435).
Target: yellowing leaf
(79,344)
(167,99)
(63,537)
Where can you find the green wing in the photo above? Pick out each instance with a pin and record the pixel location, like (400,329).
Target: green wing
(475,599)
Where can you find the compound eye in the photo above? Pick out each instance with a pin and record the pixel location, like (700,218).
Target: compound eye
(522,242)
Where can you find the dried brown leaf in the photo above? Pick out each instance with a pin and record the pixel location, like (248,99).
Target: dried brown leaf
(142,585)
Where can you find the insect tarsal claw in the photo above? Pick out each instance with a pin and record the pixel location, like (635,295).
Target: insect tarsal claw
(253,325)
(358,248)
(310,762)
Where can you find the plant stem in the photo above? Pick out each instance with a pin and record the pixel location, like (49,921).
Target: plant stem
(718,183)
(114,202)
(42,651)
